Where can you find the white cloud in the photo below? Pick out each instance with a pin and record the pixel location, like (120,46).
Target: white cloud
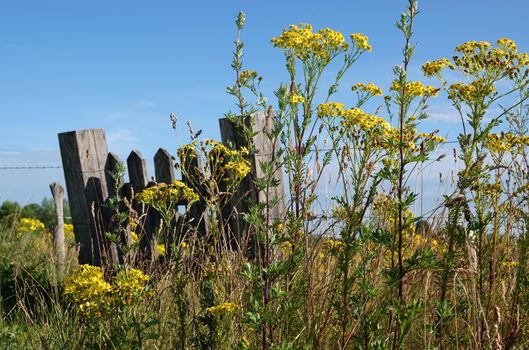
(122,141)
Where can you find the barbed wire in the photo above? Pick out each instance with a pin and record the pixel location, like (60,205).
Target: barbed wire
(33,167)
(29,167)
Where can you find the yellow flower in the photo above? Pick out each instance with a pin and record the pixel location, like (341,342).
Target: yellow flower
(160,248)
(129,286)
(301,42)
(27,225)
(415,89)
(333,244)
(370,89)
(222,309)
(361,41)
(331,109)
(471,46)
(435,67)
(89,291)
(246,75)
(69,233)
(295,99)
(93,296)
(161,195)
(470,92)
(240,168)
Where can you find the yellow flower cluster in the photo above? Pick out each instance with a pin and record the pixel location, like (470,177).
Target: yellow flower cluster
(507,44)
(361,41)
(245,75)
(332,244)
(295,99)
(93,296)
(504,59)
(416,89)
(240,168)
(356,119)
(330,109)
(286,247)
(370,89)
(230,160)
(161,194)
(223,309)
(89,291)
(491,189)
(69,233)
(304,44)
(431,136)
(472,46)
(470,92)
(129,286)
(504,142)
(365,121)
(510,264)
(26,225)
(435,67)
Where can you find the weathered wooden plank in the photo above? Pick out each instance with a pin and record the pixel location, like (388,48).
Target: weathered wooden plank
(163,166)
(138,177)
(196,214)
(57,192)
(111,166)
(232,135)
(84,155)
(137,171)
(109,211)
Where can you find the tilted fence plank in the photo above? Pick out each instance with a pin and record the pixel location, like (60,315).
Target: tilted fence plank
(137,168)
(233,135)
(84,155)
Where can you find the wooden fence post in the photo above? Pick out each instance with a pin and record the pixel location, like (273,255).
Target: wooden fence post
(191,176)
(57,192)
(84,153)
(233,135)
(111,222)
(139,180)
(164,171)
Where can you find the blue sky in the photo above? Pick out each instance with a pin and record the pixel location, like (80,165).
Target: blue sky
(125,65)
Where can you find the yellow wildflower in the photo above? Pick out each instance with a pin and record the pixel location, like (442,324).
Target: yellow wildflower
(240,168)
(331,109)
(222,309)
(163,194)
(26,225)
(89,291)
(370,89)
(129,286)
(415,89)
(246,75)
(69,235)
(304,44)
(435,67)
(361,41)
(295,99)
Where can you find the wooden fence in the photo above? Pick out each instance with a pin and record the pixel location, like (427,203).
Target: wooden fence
(87,165)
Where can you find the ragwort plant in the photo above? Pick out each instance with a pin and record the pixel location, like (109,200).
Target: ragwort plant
(479,218)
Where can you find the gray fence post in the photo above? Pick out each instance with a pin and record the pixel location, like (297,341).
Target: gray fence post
(84,153)
(57,193)
(232,135)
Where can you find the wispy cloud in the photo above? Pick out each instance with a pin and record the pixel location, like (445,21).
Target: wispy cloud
(122,140)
